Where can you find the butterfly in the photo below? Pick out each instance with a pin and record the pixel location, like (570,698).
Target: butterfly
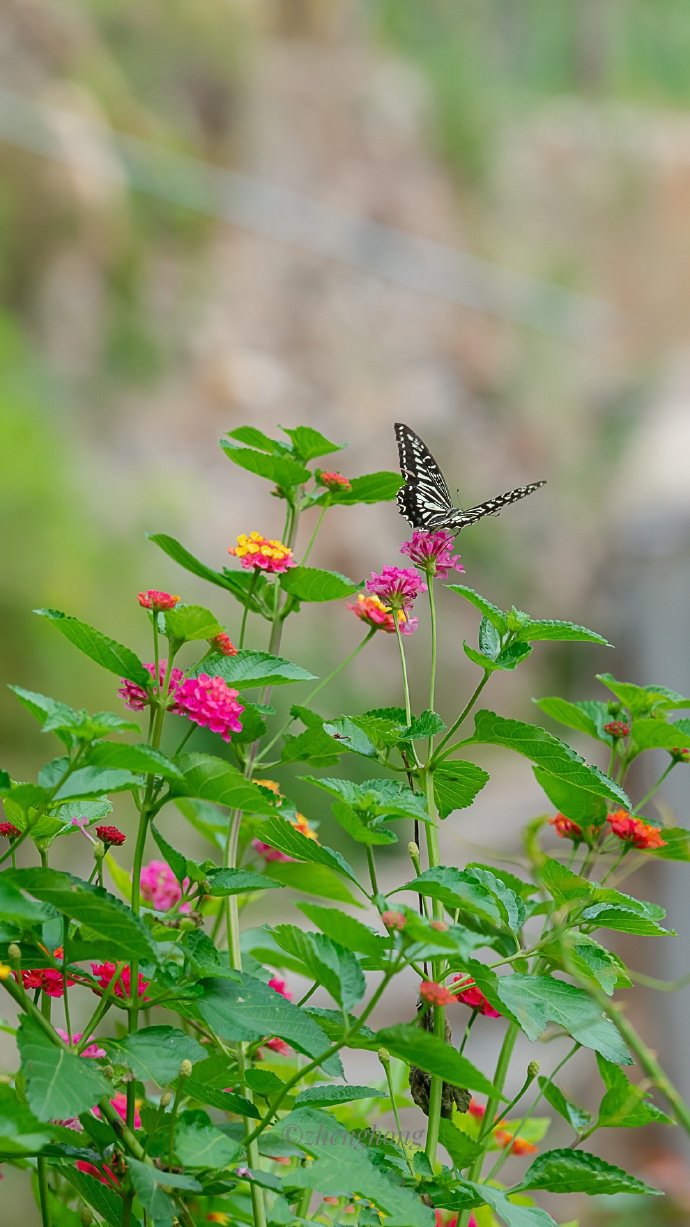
(425,500)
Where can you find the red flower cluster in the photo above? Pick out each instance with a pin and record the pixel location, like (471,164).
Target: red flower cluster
(105,972)
(435,994)
(617,728)
(111,836)
(333,481)
(634,831)
(9,830)
(223,643)
(393,920)
(565,827)
(104,1174)
(49,979)
(518,1146)
(475,999)
(155,600)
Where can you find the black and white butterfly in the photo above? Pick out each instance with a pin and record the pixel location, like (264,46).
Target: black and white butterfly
(425,499)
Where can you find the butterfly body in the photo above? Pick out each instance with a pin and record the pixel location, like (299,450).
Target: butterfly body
(425,499)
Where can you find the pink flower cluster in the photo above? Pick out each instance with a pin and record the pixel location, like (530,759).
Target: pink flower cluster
(258,553)
(136,698)
(156,600)
(91,1050)
(432,552)
(211,703)
(160,887)
(475,999)
(397,587)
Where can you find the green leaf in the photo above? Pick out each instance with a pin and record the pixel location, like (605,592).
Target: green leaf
(577,803)
(314,745)
(341,1167)
(282,470)
(576,1171)
(625,1106)
(416,1046)
(98,647)
(191,622)
(256,438)
(563,885)
(547,752)
(374,798)
(149,1184)
(201,1144)
(214,779)
(327,962)
(641,700)
(586,716)
(20,1132)
(457,889)
(369,488)
(510,905)
(677,840)
(281,834)
(426,725)
(16,908)
(537,1000)
(102,1198)
(492,613)
(123,934)
(623,920)
(155,1053)
(491,657)
(310,879)
(309,443)
(242,585)
(329,1096)
(564,632)
(248,669)
(653,734)
(56,717)
(247,1009)
(346,930)
(511,1213)
(238,882)
(227,1101)
(462,1149)
(456,784)
(58,1083)
(92,782)
(310,584)
(575,1116)
(587,956)
(143,759)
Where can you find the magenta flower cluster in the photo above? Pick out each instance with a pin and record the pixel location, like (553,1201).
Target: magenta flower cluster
(432,552)
(160,887)
(210,702)
(136,698)
(397,587)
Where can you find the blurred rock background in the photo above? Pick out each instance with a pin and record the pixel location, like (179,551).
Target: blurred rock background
(522,299)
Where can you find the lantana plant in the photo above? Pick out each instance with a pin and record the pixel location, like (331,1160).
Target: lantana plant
(174,1065)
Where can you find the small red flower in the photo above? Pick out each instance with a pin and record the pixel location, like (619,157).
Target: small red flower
(475,999)
(9,830)
(105,972)
(111,836)
(476,1109)
(435,994)
(565,827)
(439,925)
(634,831)
(223,643)
(680,754)
(394,920)
(617,728)
(280,986)
(333,481)
(105,1174)
(278,1045)
(155,600)
(49,979)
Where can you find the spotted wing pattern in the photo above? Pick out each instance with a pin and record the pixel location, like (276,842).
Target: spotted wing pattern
(425,500)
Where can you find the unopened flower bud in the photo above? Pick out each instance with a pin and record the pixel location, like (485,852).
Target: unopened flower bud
(617,728)
(533,1069)
(614,707)
(413,849)
(185,1068)
(166,1099)
(680,754)
(189,923)
(384,1056)
(108,1072)
(99,850)
(85,1215)
(13,952)
(439,925)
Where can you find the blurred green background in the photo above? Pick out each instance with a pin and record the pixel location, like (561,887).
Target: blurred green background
(468,215)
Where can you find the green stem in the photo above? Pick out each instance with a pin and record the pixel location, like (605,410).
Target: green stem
(502,1066)
(463,715)
(533,1106)
(372,870)
(640,805)
(42,1173)
(317,528)
(385,1061)
(434,642)
(406,685)
(436,1085)
(245,611)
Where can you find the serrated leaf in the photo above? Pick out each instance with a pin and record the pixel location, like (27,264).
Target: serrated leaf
(201,1144)
(341,1167)
(416,1046)
(142,759)
(329,1096)
(311,879)
(548,752)
(537,1000)
(325,961)
(21,1133)
(456,784)
(577,803)
(457,890)
(248,669)
(18,909)
(640,700)
(98,647)
(246,587)
(374,798)
(586,716)
(104,1200)
(309,443)
(625,1106)
(149,1184)
(93,782)
(677,845)
(649,734)
(575,1171)
(124,936)
(281,834)
(491,612)
(283,470)
(58,1084)
(238,882)
(543,629)
(245,1008)
(510,904)
(345,929)
(155,1053)
(511,1213)
(311,584)
(214,779)
(190,622)
(257,439)
(428,724)
(575,1116)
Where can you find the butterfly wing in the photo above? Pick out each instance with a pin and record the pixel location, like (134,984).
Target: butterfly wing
(425,499)
(457,518)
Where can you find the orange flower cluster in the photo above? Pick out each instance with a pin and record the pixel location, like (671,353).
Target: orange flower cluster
(634,831)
